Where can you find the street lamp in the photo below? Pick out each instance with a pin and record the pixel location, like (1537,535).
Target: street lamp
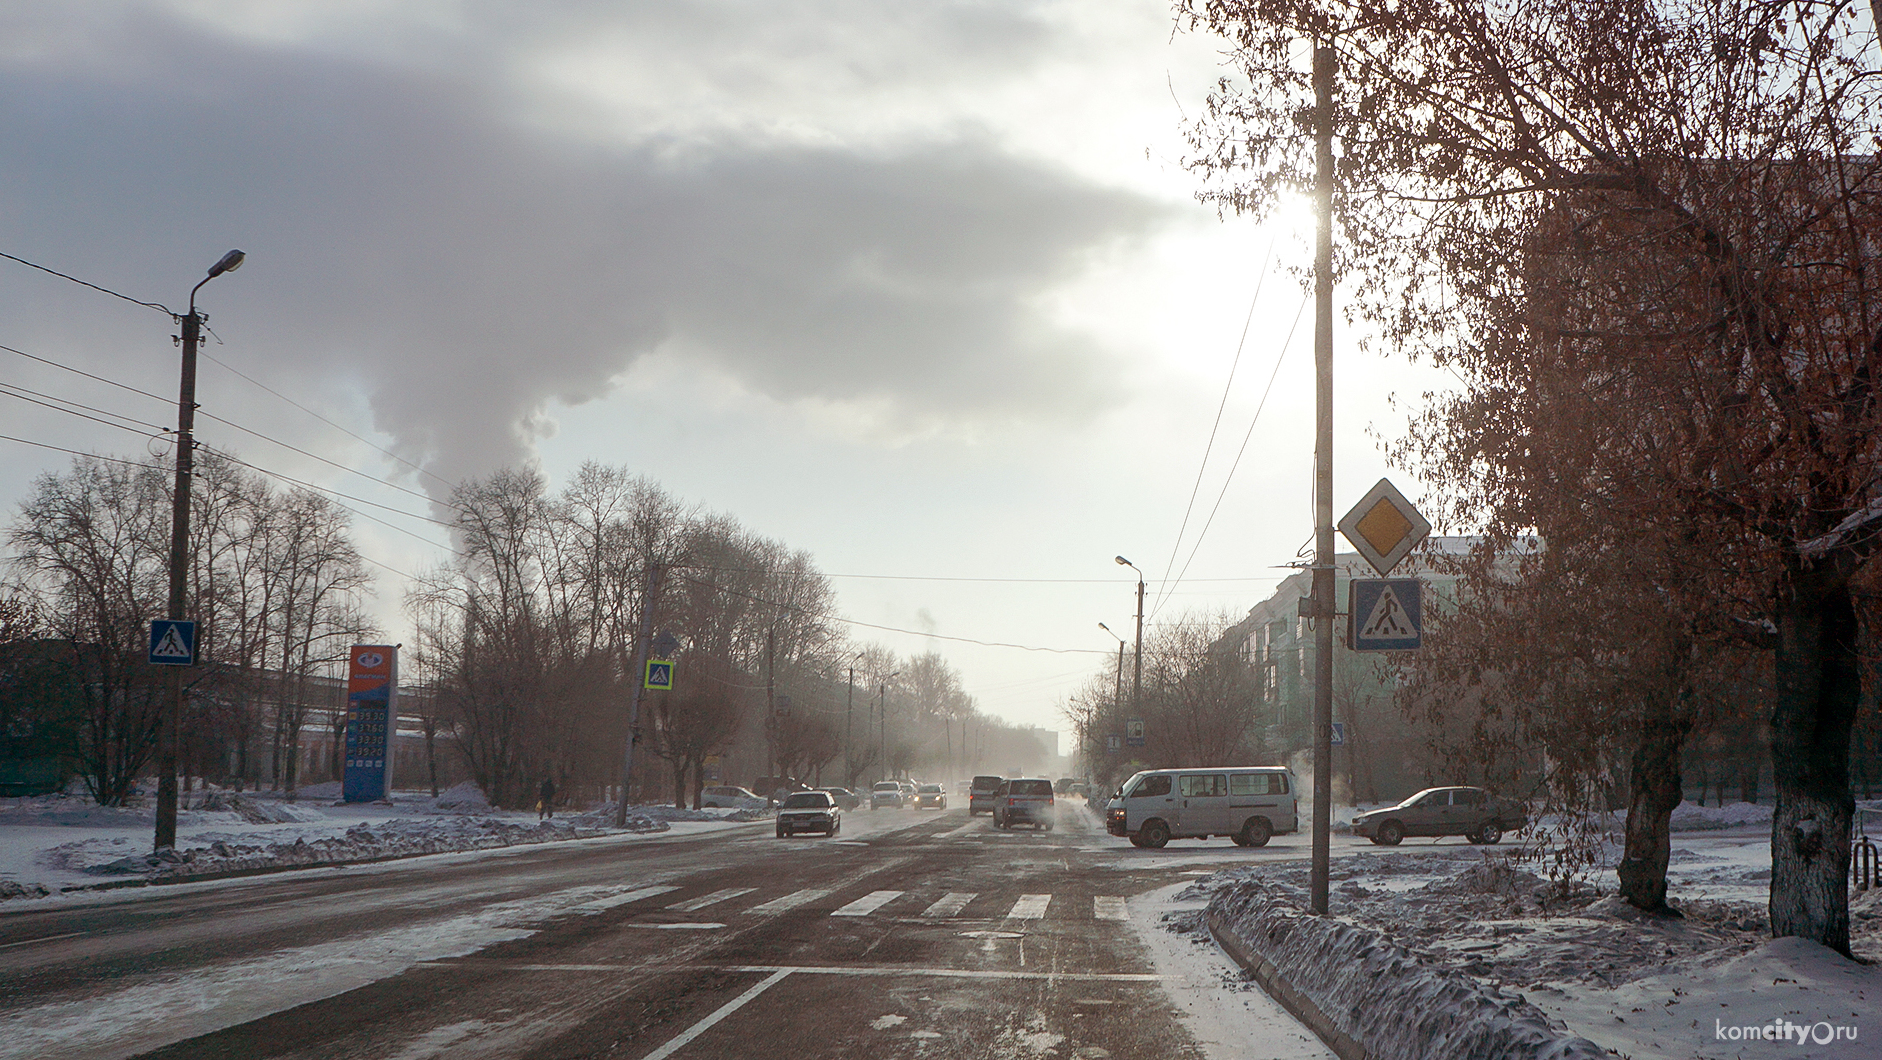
(882,723)
(179,547)
(849,715)
(1137,658)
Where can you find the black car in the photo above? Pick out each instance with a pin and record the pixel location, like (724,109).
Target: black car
(845,798)
(809,811)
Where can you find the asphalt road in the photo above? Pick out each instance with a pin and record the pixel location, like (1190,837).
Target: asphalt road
(913,934)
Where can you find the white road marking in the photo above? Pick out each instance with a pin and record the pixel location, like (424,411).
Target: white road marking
(975,825)
(868,903)
(789,901)
(949,905)
(1030,907)
(1109,907)
(46,938)
(695,904)
(613,900)
(864,970)
(678,927)
(722,1012)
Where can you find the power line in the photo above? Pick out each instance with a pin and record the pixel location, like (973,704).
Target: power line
(1279,358)
(73,412)
(88,375)
(347,496)
(256,382)
(158,427)
(1209,448)
(74,452)
(160,307)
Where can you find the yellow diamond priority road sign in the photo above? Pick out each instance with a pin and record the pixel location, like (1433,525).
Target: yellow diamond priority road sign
(1384,526)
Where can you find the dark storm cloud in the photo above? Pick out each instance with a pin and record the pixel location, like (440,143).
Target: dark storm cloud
(467,266)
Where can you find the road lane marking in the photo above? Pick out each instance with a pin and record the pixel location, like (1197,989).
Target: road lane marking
(790,901)
(1109,907)
(43,938)
(855,970)
(949,905)
(1030,907)
(718,1014)
(678,927)
(868,903)
(613,900)
(971,826)
(693,905)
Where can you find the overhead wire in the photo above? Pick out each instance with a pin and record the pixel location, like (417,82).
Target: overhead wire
(1279,359)
(1209,448)
(159,306)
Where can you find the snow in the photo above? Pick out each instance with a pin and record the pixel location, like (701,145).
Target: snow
(1462,925)
(55,843)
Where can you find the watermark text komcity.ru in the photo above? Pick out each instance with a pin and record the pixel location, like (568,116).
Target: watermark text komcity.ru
(1820,1033)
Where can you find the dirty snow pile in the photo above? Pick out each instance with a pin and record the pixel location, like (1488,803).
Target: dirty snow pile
(1644,985)
(53,843)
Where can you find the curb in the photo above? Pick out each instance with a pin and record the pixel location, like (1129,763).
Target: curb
(1340,973)
(1270,979)
(170,879)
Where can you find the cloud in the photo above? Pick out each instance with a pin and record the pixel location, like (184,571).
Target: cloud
(417,228)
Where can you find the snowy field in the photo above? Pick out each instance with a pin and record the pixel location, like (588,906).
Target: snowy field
(52,844)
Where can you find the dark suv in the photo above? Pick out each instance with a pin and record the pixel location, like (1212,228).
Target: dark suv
(1470,812)
(1025,802)
(982,793)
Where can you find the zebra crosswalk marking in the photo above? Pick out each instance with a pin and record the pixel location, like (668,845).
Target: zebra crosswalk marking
(790,901)
(949,905)
(1109,907)
(1030,907)
(613,900)
(696,904)
(868,903)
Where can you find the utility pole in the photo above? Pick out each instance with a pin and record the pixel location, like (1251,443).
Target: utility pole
(1324,65)
(849,727)
(771,700)
(642,643)
(172,720)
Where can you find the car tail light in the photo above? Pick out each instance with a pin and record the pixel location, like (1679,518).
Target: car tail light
(1012,802)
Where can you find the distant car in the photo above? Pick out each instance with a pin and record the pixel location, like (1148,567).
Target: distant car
(845,798)
(1470,812)
(1025,801)
(930,795)
(809,811)
(730,797)
(981,793)
(908,792)
(886,793)
(774,789)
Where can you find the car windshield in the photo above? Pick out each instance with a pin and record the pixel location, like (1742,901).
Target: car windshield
(931,788)
(806,800)
(1414,799)
(888,785)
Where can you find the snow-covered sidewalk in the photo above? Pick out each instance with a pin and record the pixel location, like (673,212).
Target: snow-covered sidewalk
(54,844)
(1711,984)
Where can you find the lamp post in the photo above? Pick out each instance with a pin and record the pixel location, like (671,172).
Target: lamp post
(1137,659)
(882,723)
(179,548)
(849,725)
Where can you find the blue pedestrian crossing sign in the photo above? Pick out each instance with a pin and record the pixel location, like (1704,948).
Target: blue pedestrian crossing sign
(172,642)
(1339,734)
(660,674)
(1385,614)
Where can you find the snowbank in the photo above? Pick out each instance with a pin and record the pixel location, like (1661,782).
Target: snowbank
(1367,995)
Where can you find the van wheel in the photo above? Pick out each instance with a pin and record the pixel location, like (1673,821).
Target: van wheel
(1390,833)
(1155,834)
(1255,832)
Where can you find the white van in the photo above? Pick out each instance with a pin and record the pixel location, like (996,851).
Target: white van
(1246,803)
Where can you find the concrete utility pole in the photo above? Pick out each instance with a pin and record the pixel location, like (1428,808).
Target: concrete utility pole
(1324,66)
(1137,662)
(172,720)
(643,641)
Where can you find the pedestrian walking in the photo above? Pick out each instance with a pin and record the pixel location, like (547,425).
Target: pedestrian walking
(546,808)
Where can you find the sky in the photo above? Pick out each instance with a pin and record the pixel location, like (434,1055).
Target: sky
(923,289)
